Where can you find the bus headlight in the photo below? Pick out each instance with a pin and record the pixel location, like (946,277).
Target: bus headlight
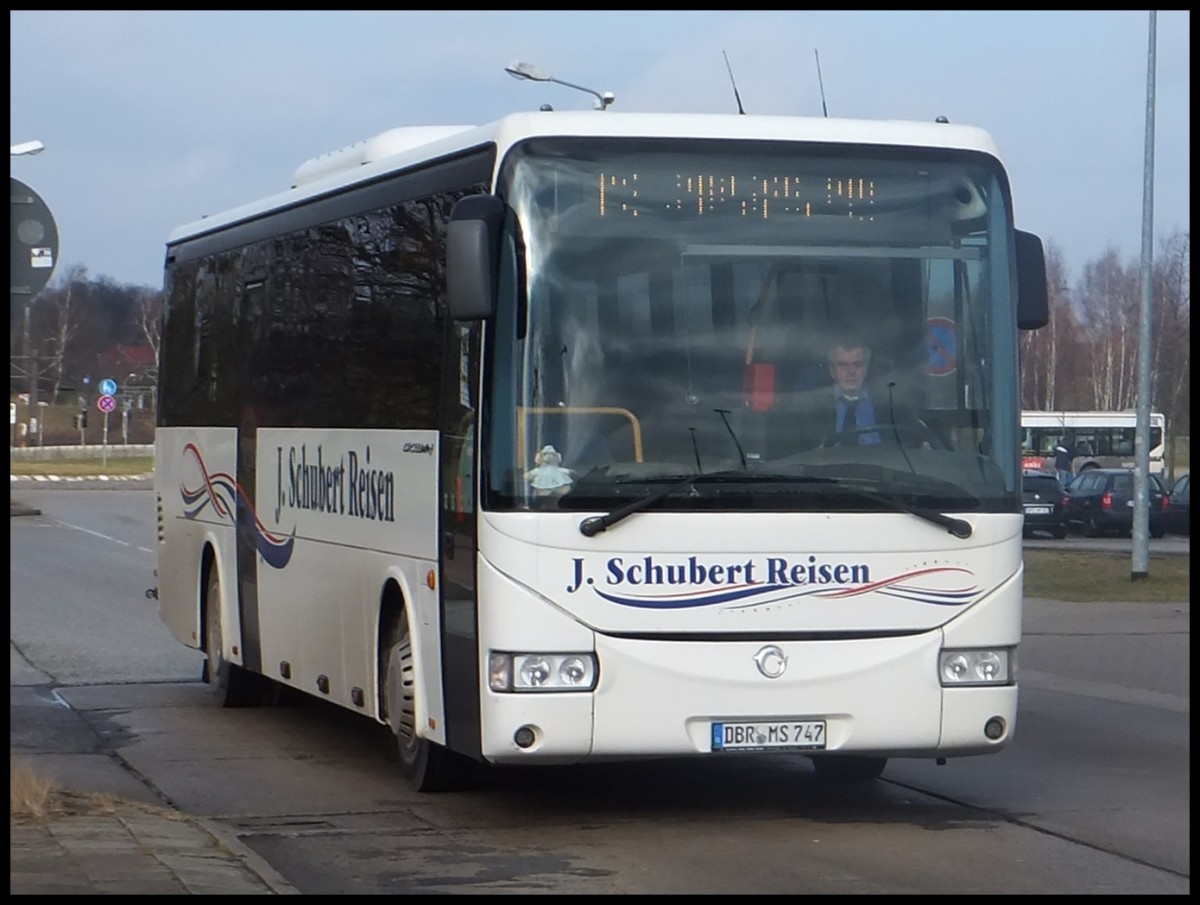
(541,671)
(987,666)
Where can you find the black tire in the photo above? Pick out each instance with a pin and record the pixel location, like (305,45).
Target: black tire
(1158,532)
(427,766)
(1060,532)
(231,685)
(849,767)
(1090,527)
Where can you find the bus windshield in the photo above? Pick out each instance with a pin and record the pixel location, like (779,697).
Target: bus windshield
(672,308)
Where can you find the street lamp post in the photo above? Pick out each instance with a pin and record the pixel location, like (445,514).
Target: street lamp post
(31,362)
(519,70)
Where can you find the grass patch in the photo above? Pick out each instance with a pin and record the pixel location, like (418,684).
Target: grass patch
(28,790)
(34,796)
(1089,577)
(85,467)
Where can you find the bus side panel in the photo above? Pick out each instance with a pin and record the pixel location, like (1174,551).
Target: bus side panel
(338,513)
(194,483)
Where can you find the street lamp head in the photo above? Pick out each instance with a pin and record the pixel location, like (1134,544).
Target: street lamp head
(27,147)
(519,70)
(522,71)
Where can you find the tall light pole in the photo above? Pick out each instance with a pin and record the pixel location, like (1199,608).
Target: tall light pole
(519,70)
(1140,565)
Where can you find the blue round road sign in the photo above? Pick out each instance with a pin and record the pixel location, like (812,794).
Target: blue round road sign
(941,337)
(108,387)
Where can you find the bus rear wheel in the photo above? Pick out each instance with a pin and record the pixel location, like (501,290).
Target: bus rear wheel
(231,685)
(849,767)
(427,766)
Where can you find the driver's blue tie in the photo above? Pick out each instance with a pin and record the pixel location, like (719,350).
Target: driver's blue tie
(850,421)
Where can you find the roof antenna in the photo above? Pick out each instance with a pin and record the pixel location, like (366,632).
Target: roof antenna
(736,96)
(821,82)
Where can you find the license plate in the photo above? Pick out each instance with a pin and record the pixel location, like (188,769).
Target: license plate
(793,735)
(1037,510)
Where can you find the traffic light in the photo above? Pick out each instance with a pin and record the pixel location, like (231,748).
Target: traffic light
(75,422)
(83,419)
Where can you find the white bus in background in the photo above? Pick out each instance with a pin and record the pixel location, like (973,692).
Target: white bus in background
(1101,439)
(489,435)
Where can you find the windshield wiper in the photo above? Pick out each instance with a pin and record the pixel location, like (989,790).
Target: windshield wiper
(960,528)
(592,526)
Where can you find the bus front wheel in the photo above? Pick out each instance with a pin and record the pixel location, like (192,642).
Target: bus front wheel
(428,766)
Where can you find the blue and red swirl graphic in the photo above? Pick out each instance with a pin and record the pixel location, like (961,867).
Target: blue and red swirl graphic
(750,595)
(222,492)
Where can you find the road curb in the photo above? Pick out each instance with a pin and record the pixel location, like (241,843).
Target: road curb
(228,837)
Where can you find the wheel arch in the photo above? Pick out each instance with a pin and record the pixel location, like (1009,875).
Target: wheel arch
(212,559)
(393,611)
(396,614)
(208,562)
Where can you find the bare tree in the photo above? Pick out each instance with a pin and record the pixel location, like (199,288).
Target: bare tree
(1171,363)
(1037,347)
(1050,356)
(1109,296)
(63,314)
(147,313)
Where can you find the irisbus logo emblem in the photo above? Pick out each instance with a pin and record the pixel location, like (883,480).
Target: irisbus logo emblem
(771,661)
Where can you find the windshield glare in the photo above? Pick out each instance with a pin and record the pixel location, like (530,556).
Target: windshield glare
(677,308)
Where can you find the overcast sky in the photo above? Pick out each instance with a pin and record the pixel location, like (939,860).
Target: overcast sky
(153,119)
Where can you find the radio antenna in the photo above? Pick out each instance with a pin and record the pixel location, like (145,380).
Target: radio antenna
(821,82)
(737,97)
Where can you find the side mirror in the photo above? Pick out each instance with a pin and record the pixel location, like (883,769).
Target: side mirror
(1033,303)
(472,256)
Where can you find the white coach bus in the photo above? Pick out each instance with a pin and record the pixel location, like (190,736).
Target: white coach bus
(1098,439)
(492,435)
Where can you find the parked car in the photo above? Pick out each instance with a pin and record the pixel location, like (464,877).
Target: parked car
(1045,503)
(1177,512)
(1100,500)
